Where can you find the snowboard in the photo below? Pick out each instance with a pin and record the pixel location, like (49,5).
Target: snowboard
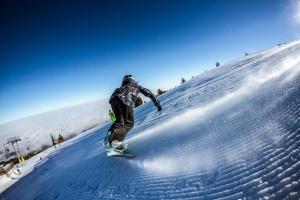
(126,154)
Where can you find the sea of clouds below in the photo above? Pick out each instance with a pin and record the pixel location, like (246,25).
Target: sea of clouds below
(34,131)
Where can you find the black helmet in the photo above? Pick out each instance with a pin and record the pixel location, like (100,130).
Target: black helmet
(128,79)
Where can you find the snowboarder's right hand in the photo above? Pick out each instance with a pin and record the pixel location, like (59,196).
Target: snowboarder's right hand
(157,104)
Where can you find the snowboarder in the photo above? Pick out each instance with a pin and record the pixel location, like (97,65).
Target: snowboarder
(122,102)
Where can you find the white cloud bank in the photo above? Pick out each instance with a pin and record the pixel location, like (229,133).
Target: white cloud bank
(35,131)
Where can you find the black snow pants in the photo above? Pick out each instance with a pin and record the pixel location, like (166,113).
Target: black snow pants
(124,120)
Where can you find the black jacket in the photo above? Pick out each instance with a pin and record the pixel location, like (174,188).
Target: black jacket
(128,94)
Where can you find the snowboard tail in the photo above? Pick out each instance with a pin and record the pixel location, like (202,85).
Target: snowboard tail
(126,154)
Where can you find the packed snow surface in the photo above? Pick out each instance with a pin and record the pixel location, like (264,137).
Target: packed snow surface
(230,133)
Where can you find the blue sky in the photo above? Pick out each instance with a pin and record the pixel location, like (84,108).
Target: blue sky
(57,53)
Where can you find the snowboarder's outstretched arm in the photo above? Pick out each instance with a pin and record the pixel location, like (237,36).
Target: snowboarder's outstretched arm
(149,94)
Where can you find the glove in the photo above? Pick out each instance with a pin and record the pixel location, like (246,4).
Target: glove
(157,104)
(159,108)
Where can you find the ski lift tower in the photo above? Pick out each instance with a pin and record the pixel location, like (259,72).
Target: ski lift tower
(14,142)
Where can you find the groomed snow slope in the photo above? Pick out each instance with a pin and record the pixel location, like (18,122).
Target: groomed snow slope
(230,133)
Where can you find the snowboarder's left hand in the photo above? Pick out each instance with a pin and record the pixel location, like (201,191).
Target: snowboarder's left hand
(159,108)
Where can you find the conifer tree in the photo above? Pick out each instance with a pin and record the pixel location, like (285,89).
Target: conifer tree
(160,92)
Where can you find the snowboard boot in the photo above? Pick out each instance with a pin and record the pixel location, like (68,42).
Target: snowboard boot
(118,146)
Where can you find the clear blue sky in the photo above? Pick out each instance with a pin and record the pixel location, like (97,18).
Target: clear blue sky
(60,53)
